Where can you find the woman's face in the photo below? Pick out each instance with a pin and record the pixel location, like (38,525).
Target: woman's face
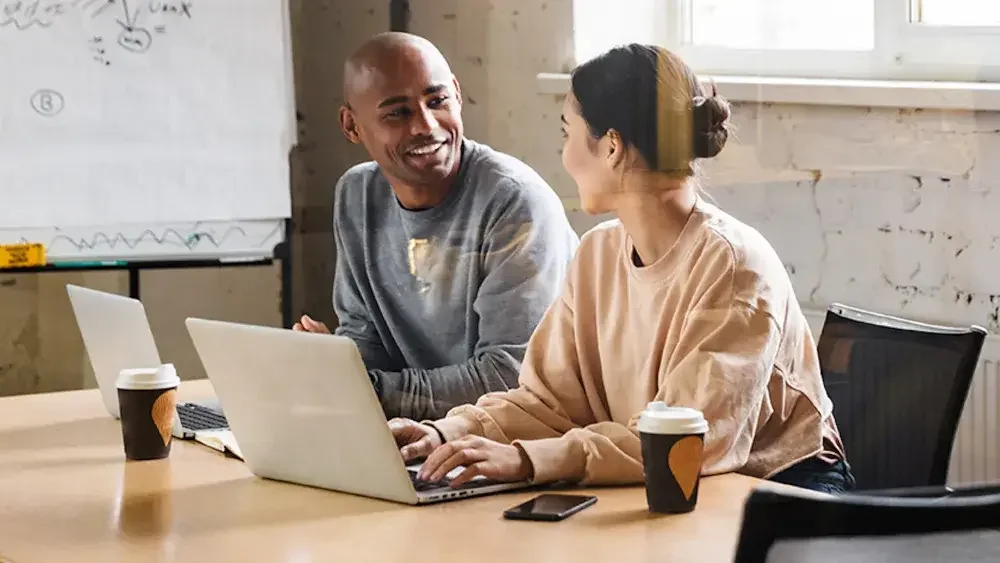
(587,160)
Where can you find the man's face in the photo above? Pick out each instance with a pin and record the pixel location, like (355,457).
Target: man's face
(407,112)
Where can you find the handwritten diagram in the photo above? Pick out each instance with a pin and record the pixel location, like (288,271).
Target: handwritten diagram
(190,239)
(134,119)
(134,19)
(202,238)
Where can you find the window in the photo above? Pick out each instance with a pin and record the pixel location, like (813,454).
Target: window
(847,25)
(952,40)
(968,13)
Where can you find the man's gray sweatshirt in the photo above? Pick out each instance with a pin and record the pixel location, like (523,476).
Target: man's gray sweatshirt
(441,302)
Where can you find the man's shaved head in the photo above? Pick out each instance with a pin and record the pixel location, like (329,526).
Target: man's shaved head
(384,54)
(402,102)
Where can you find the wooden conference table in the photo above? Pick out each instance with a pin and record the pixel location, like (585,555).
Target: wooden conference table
(66,494)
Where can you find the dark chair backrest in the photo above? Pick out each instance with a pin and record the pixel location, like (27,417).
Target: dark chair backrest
(898,389)
(780,526)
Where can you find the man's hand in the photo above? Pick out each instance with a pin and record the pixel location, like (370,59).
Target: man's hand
(479,456)
(307,324)
(415,440)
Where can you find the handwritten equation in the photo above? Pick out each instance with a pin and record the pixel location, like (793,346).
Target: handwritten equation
(134,19)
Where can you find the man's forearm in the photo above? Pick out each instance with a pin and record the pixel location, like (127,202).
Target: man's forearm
(374,356)
(422,394)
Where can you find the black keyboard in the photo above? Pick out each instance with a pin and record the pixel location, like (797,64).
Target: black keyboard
(197,417)
(421,485)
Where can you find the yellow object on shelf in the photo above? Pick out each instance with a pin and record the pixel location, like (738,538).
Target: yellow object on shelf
(22,255)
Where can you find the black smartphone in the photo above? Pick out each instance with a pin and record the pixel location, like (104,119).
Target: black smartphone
(549,507)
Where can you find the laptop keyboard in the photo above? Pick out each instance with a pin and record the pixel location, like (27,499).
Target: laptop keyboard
(197,417)
(422,485)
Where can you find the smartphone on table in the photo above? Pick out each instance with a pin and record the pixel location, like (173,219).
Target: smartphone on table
(549,507)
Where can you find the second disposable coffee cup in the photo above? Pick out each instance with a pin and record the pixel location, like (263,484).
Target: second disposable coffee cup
(147,399)
(673,440)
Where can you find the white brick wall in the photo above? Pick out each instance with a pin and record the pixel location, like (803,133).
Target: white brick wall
(887,209)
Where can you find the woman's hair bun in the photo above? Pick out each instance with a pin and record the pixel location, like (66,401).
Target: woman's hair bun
(711,125)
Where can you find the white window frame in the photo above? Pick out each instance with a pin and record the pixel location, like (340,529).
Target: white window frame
(903,50)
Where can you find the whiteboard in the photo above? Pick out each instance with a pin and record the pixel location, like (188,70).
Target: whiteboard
(143,112)
(202,240)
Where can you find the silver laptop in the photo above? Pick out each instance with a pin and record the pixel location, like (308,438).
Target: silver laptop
(117,336)
(302,410)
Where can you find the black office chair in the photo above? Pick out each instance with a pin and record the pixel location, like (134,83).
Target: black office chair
(898,389)
(792,527)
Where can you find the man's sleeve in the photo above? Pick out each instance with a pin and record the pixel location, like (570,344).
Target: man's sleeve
(348,304)
(525,258)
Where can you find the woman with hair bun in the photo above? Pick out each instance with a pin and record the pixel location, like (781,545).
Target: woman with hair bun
(673,301)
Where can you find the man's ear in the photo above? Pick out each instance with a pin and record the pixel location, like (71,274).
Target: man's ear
(348,124)
(458,89)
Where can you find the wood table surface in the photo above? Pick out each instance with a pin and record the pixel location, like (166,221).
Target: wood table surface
(67,494)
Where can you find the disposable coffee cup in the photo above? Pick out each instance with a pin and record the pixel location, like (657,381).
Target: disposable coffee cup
(673,441)
(147,399)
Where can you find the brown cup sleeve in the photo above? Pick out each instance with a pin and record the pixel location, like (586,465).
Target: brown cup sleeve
(684,460)
(163,413)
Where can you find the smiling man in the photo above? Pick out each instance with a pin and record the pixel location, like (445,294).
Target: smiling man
(448,252)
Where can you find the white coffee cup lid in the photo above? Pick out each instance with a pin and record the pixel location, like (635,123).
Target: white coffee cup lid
(151,378)
(658,418)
